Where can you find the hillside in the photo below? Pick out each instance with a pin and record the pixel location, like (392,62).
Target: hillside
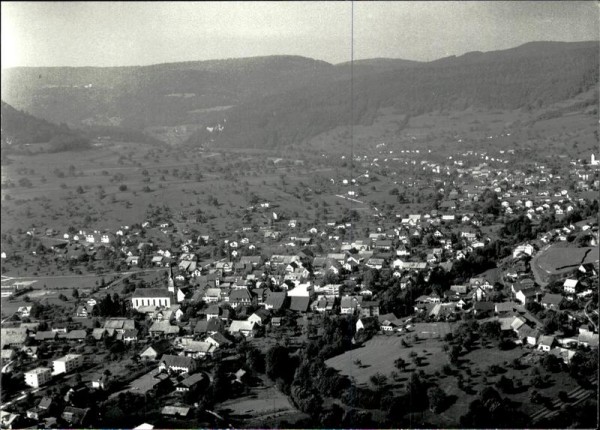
(530,77)
(164,94)
(275,101)
(19,130)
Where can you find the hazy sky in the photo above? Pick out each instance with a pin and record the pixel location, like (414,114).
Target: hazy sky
(121,33)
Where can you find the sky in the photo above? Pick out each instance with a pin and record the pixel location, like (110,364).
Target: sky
(140,33)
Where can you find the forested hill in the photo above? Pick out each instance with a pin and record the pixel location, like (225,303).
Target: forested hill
(530,76)
(141,96)
(19,129)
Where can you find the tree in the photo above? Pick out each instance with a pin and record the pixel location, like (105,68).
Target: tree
(437,398)
(277,362)
(400,363)
(75,293)
(378,380)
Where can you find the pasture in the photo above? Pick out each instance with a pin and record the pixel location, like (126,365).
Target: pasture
(264,406)
(378,356)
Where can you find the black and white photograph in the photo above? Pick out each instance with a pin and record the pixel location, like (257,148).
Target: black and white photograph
(299,214)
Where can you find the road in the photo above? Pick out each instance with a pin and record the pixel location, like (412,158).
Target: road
(21,397)
(534,269)
(588,316)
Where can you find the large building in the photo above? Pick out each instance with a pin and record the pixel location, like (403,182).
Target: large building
(38,376)
(159,297)
(68,363)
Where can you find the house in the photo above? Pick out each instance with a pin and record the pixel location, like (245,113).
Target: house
(190,382)
(98,333)
(67,364)
(587,338)
(276,322)
(100,381)
(118,325)
(551,301)
(75,417)
(42,409)
(177,363)
(213,311)
(155,350)
(163,328)
(37,377)
(130,336)
(388,322)
(350,304)
(505,307)
(176,411)
(571,286)
(76,335)
(323,304)
(546,343)
(526,295)
(24,311)
(7,355)
(258,318)
(442,311)
(240,297)
(218,340)
(527,334)
(275,300)
(195,348)
(523,250)
(8,420)
(132,260)
(159,297)
(46,336)
(13,337)
(299,303)
(369,308)
(30,351)
(212,295)
(245,328)
(483,308)
(459,289)
(82,312)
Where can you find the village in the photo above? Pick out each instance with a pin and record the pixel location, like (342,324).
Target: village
(192,318)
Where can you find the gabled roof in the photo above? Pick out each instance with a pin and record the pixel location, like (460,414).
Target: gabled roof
(177,361)
(552,299)
(151,293)
(275,299)
(299,303)
(546,341)
(237,326)
(164,327)
(77,334)
(241,294)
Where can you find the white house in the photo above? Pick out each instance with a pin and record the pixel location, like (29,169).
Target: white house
(38,376)
(67,363)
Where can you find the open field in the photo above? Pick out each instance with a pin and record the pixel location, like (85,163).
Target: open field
(265,406)
(378,355)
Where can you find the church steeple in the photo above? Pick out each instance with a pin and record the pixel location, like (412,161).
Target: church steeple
(171,282)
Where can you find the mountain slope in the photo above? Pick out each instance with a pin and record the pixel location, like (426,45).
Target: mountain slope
(160,94)
(20,129)
(529,76)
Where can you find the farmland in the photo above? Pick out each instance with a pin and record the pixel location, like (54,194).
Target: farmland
(263,406)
